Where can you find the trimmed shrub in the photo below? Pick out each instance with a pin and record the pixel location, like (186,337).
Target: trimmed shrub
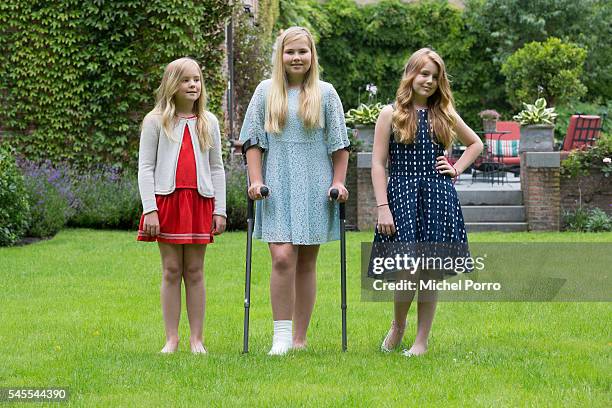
(503,26)
(550,69)
(14,207)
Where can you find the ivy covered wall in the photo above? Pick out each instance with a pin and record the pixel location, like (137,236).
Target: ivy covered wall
(76,77)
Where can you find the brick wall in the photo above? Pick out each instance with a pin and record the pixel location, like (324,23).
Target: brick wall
(351,185)
(367,213)
(541,190)
(365,201)
(591,191)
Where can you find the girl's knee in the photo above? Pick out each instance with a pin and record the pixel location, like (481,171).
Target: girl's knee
(307,267)
(172,273)
(283,262)
(193,275)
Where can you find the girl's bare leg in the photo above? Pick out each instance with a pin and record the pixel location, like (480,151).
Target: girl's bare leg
(282,294)
(195,293)
(282,280)
(426,310)
(401,305)
(172,270)
(305,292)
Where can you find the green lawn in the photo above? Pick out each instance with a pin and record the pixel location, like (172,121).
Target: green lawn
(82,310)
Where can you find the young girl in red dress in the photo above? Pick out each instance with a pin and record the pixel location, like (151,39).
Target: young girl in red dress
(182,187)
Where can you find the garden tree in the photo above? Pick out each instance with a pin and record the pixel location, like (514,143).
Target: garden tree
(503,26)
(550,69)
(76,78)
(252,51)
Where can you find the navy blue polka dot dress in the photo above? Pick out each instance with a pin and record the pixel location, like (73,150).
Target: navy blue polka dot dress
(423,202)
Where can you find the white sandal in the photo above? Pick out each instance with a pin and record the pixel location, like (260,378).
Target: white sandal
(386,349)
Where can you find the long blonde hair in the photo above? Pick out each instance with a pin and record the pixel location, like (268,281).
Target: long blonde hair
(442,114)
(310,97)
(165,105)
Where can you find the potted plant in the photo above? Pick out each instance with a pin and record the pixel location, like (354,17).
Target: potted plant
(363,119)
(489,118)
(537,127)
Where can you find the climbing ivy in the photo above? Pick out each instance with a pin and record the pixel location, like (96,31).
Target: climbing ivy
(76,78)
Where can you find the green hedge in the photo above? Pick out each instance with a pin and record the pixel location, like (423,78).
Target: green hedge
(14,207)
(366,44)
(77,77)
(359,45)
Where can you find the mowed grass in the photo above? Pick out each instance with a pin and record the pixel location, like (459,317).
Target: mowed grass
(82,311)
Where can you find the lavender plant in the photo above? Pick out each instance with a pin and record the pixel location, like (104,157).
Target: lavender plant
(50,196)
(105,197)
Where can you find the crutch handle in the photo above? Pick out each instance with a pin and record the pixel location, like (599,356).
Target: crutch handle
(334,193)
(264,191)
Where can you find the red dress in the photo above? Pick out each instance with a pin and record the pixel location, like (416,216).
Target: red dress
(185,217)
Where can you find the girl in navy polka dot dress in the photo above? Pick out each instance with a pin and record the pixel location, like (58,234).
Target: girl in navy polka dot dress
(419,203)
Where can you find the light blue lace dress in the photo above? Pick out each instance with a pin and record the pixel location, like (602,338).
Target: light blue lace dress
(297,167)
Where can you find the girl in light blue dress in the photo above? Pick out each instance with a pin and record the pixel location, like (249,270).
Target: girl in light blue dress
(297,123)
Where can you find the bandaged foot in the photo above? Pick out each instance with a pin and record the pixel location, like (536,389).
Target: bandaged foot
(282,340)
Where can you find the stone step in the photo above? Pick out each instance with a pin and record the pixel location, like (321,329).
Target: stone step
(490,197)
(496,226)
(493,213)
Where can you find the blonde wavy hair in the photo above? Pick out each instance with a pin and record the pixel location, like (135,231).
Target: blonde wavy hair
(441,106)
(166,107)
(310,97)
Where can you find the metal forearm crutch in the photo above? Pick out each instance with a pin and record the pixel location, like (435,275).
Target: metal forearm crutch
(249,249)
(334,193)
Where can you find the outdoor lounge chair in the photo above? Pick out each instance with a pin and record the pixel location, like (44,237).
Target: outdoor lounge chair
(501,153)
(583,131)
(504,147)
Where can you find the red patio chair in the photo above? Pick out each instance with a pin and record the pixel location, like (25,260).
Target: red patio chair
(501,152)
(509,148)
(583,131)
